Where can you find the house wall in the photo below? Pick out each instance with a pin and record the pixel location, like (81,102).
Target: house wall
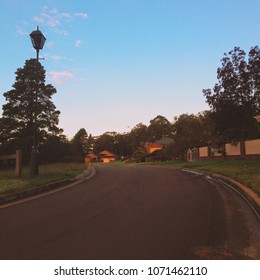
(203,151)
(107,160)
(252,147)
(243,149)
(232,150)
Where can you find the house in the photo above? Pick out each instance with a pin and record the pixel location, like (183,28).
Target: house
(151,147)
(90,157)
(106,157)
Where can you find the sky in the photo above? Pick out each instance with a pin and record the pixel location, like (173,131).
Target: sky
(116,63)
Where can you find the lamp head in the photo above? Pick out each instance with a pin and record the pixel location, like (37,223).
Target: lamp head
(37,39)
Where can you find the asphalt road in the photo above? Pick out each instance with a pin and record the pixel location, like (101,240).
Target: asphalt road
(133,212)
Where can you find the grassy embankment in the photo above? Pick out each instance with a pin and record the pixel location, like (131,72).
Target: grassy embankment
(244,171)
(47,174)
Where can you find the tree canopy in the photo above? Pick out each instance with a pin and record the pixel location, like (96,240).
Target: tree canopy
(191,131)
(158,128)
(29,98)
(235,97)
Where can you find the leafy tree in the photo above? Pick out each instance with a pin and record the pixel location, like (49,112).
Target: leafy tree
(91,142)
(105,142)
(140,154)
(80,142)
(137,136)
(121,145)
(57,148)
(116,143)
(191,131)
(235,98)
(159,127)
(22,107)
(254,69)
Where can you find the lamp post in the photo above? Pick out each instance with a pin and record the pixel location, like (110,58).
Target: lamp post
(38,41)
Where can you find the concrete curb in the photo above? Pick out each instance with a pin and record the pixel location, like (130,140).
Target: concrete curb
(251,196)
(55,186)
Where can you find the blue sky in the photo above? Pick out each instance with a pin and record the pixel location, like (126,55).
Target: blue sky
(116,63)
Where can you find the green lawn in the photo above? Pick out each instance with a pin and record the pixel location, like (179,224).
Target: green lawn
(47,174)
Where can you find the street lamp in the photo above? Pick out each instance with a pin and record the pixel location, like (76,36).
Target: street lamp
(38,41)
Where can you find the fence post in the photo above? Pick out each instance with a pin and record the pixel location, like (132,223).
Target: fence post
(189,155)
(242,149)
(209,151)
(18,163)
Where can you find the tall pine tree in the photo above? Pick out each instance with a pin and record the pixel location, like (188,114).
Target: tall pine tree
(29,99)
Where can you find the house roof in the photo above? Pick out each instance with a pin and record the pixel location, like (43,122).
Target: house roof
(162,142)
(165,141)
(91,155)
(106,153)
(152,145)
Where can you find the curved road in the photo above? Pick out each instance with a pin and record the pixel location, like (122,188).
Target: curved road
(133,212)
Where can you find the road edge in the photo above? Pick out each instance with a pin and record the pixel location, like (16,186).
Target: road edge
(250,195)
(47,189)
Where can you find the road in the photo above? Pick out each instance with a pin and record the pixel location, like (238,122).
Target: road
(133,212)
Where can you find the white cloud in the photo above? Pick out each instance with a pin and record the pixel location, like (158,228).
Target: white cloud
(45,15)
(78,43)
(20,31)
(61,77)
(66,15)
(52,18)
(49,44)
(81,14)
(56,57)
(51,21)
(38,19)
(60,31)
(53,11)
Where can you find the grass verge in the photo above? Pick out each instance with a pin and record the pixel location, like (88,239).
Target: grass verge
(47,174)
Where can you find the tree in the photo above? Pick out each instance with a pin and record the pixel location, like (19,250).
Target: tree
(235,98)
(17,123)
(57,149)
(121,145)
(105,142)
(254,69)
(190,131)
(137,136)
(159,127)
(80,142)
(140,154)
